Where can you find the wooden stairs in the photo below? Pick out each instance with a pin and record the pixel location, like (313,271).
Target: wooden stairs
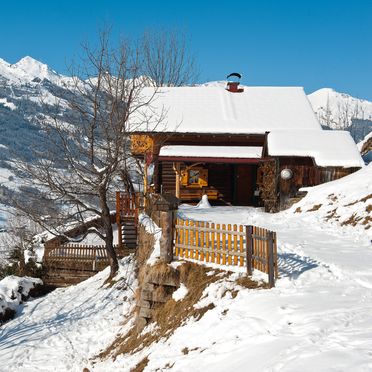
(127,219)
(128,233)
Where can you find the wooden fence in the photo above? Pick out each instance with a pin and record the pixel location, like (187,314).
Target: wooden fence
(227,244)
(80,257)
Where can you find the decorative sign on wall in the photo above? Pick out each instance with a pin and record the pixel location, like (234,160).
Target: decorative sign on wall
(141,144)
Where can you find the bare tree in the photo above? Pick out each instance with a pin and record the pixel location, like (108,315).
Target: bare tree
(18,241)
(167,59)
(78,171)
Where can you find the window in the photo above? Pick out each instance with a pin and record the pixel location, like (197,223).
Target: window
(194,177)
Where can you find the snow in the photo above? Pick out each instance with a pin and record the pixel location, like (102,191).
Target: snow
(347,198)
(35,68)
(152,228)
(27,69)
(336,109)
(95,240)
(8,178)
(212,109)
(204,203)
(211,151)
(13,288)
(63,330)
(180,293)
(317,318)
(365,139)
(5,103)
(328,148)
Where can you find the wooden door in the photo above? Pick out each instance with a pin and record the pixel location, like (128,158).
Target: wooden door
(245,179)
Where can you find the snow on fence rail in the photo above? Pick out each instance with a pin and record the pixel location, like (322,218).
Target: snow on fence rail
(227,244)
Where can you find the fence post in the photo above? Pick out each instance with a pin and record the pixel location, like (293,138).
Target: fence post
(270,258)
(249,248)
(166,240)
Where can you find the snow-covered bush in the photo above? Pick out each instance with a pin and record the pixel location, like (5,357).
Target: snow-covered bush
(13,291)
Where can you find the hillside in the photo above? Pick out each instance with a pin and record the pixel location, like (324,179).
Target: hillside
(29,92)
(341,202)
(318,315)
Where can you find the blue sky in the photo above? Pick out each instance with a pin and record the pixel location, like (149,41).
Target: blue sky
(315,44)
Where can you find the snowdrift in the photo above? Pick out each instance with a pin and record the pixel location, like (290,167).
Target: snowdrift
(346,202)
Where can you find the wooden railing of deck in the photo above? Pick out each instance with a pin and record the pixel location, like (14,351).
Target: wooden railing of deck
(80,257)
(127,205)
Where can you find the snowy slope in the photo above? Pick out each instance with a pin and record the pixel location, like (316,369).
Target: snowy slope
(61,331)
(317,318)
(345,202)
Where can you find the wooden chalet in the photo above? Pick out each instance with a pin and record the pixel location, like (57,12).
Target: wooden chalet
(242,146)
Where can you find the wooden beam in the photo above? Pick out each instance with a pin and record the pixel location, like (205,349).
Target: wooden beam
(177,169)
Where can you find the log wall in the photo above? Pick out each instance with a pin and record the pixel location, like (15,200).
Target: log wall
(220,182)
(305,174)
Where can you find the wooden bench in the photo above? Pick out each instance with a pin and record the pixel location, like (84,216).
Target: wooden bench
(196,194)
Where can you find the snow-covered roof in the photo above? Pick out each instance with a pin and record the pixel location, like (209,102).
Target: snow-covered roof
(327,147)
(213,109)
(244,152)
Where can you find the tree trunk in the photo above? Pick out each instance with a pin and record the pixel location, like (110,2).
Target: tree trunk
(22,263)
(109,240)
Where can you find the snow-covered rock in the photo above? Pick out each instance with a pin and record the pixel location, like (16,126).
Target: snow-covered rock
(14,289)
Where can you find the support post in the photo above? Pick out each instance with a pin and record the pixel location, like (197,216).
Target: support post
(270,258)
(166,248)
(249,248)
(145,181)
(177,169)
(118,218)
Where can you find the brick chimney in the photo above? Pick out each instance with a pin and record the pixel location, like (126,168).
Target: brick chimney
(233,85)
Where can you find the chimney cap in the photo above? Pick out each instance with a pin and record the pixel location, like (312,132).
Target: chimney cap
(234,74)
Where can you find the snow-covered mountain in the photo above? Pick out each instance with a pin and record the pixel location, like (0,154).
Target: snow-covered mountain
(341,111)
(29,91)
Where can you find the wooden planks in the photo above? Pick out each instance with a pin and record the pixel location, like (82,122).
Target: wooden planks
(127,206)
(209,242)
(83,257)
(227,244)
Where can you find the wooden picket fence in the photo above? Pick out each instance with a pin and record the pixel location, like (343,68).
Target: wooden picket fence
(228,244)
(80,257)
